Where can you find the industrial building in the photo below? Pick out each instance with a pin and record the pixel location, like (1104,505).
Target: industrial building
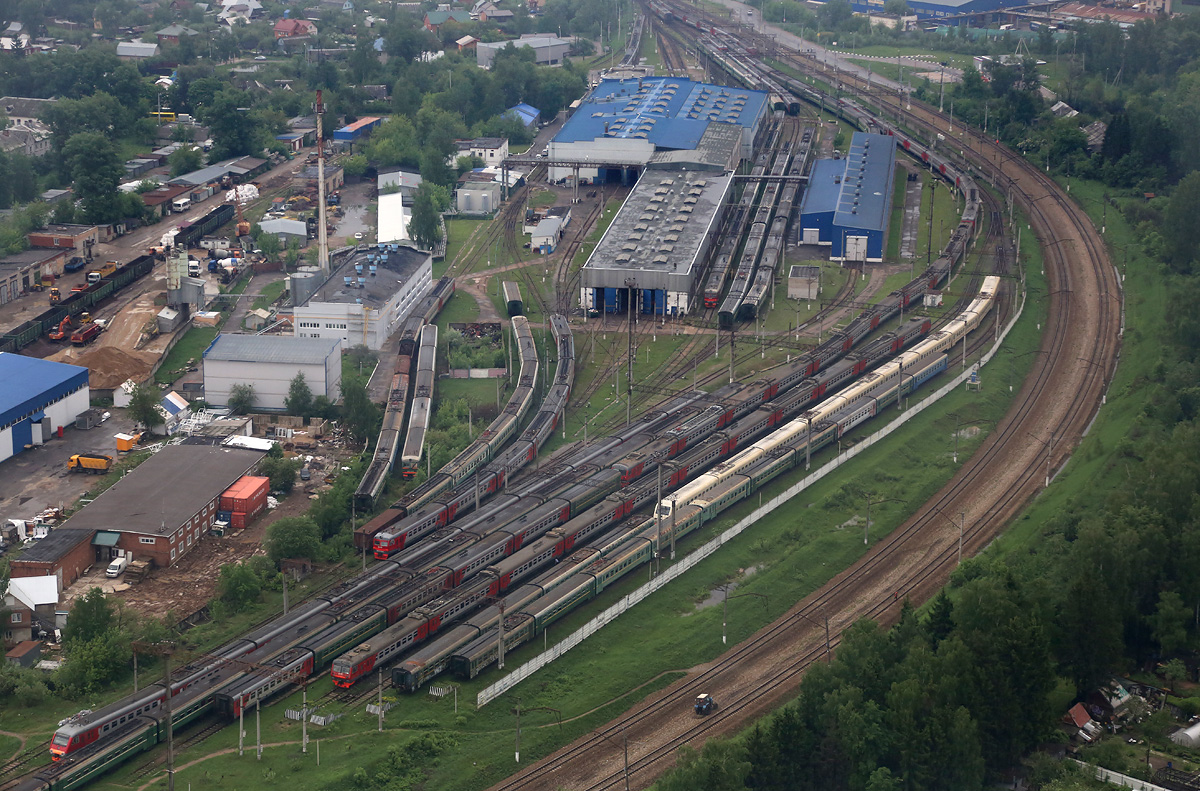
(157,512)
(623,123)
(360,129)
(848,201)
(270,363)
(393,218)
(804,282)
(22,271)
(547,50)
(929,9)
(366,298)
(653,250)
(37,398)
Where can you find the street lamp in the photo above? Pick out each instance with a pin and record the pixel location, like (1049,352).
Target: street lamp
(725,597)
(825,618)
(867,526)
(624,749)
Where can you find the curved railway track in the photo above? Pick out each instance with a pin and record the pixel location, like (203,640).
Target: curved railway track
(1054,408)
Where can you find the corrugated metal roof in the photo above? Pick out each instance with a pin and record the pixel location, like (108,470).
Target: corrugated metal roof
(668,111)
(272,349)
(867,185)
(822,192)
(25,381)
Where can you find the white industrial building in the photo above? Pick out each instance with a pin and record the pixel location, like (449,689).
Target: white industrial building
(477,197)
(367,297)
(393,218)
(270,363)
(37,398)
(547,50)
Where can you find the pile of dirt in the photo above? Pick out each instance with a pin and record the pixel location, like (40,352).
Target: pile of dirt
(109,365)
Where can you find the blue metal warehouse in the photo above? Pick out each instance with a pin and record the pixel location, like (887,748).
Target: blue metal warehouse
(849,201)
(927,9)
(37,397)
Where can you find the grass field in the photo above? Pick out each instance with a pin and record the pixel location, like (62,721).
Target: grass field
(457,232)
(269,293)
(190,347)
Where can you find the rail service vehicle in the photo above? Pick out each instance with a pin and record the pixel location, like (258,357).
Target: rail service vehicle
(422,402)
(439,499)
(84,743)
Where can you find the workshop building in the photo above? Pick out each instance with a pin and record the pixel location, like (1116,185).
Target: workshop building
(22,271)
(157,512)
(547,50)
(367,297)
(270,363)
(37,398)
(652,252)
(849,201)
(79,238)
(624,122)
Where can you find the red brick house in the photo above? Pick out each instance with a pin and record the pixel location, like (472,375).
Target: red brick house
(290,28)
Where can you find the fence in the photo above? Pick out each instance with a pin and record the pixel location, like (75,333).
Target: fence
(1118,779)
(490,693)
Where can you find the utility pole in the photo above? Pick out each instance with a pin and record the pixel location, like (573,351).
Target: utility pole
(379,698)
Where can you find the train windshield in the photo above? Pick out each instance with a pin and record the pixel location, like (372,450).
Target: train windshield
(61,740)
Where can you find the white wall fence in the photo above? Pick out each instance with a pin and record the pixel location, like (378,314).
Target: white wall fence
(490,693)
(1118,779)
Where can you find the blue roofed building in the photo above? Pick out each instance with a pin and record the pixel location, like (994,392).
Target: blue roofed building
(527,114)
(37,398)
(624,122)
(931,9)
(849,201)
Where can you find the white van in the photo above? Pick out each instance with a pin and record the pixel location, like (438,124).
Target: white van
(181,204)
(116,567)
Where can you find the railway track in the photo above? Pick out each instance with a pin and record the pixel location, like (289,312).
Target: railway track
(1057,402)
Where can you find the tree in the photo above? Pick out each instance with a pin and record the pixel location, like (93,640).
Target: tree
(424,227)
(185,159)
(143,406)
(241,398)
(299,399)
(293,537)
(282,473)
(354,165)
(269,244)
(1180,230)
(91,617)
(238,586)
(359,415)
(896,7)
(1174,671)
(96,170)
(1170,621)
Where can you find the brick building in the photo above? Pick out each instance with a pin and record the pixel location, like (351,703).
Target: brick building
(79,238)
(157,512)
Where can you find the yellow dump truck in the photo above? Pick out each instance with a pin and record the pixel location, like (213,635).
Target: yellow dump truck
(95,463)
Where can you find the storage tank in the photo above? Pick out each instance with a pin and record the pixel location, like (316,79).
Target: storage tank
(303,286)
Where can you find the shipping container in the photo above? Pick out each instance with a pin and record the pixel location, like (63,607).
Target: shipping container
(247,495)
(240,521)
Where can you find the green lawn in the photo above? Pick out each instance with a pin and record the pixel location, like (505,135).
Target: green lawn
(268,294)
(896,222)
(458,230)
(190,347)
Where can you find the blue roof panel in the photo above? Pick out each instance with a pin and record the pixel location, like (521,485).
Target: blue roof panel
(30,384)
(866,188)
(822,192)
(670,112)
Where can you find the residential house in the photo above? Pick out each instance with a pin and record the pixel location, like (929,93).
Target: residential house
(466,43)
(342,5)
(171,34)
(435,19)
(26,133)
(290,28)
(482,7)
(377,92)
(497,15)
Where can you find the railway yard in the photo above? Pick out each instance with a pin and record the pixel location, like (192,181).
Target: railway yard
(626,405)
